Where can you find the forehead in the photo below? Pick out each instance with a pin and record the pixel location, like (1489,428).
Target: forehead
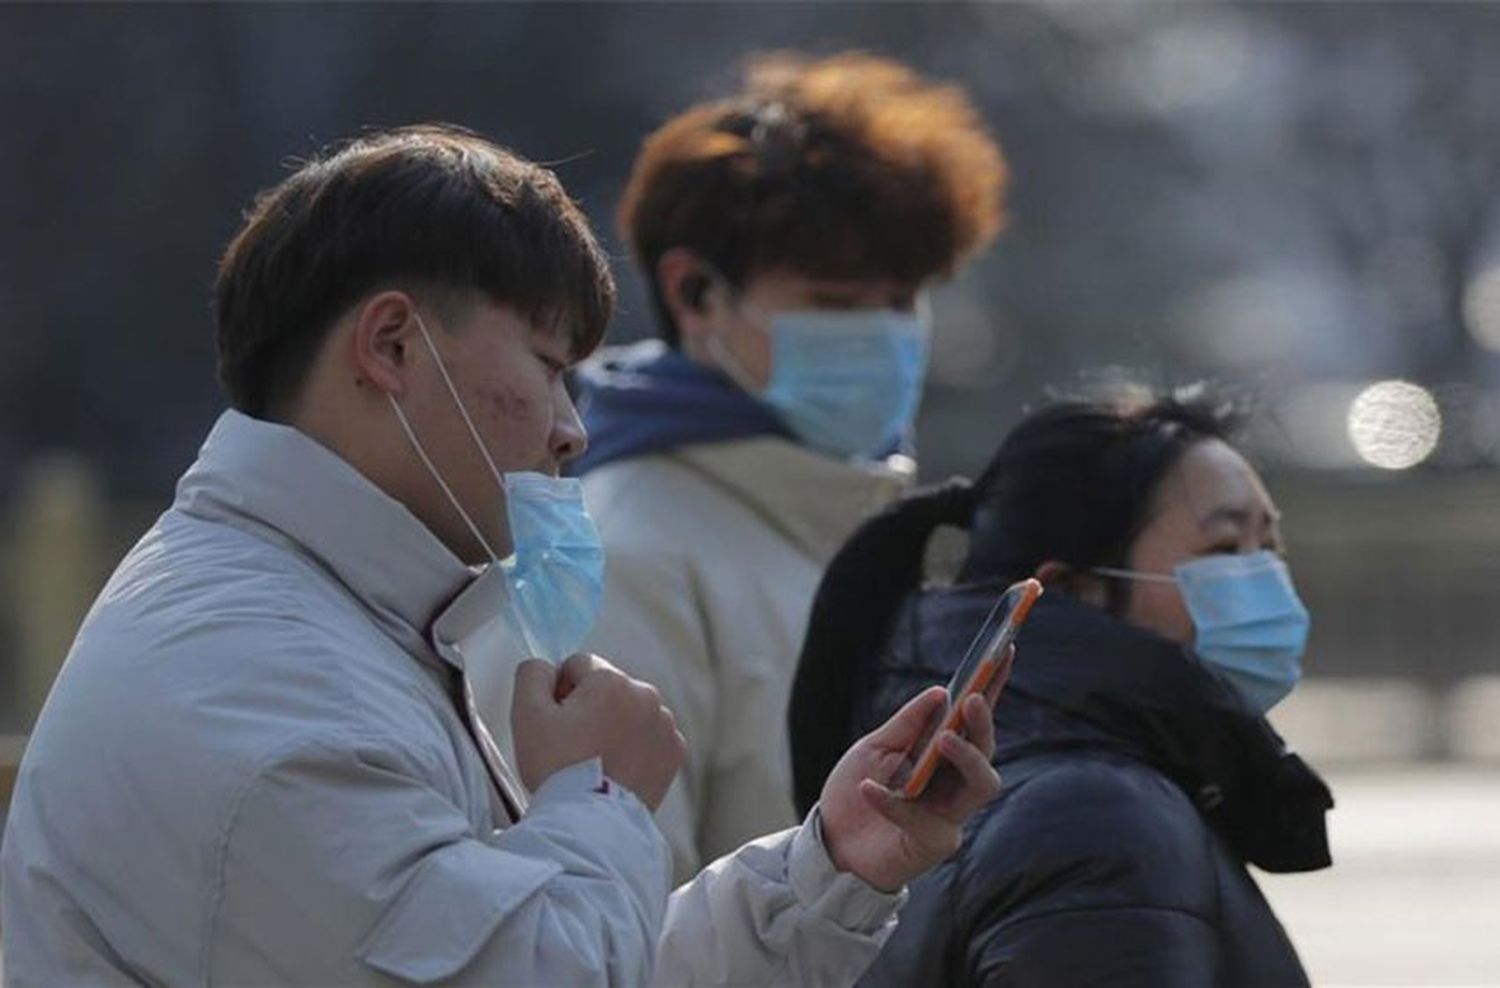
(1212,481)
(505,321)
(792,283)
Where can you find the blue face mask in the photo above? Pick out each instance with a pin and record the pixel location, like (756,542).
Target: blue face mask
(556,573)
(554,576)
(845,383)
(1250,624)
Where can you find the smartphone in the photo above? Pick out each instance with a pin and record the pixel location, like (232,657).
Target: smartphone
(975,674)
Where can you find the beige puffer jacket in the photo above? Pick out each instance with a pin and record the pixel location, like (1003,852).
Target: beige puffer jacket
(714,552)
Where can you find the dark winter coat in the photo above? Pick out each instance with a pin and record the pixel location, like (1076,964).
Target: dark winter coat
(1137,784)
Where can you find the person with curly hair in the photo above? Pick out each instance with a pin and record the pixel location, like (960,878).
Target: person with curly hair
(789,234)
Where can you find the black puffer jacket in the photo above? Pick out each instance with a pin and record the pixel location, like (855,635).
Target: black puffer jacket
(1136,786)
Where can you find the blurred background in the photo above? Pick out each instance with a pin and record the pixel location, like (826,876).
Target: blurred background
(1300,201)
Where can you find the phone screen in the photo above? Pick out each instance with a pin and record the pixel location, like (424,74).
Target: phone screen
(974,674)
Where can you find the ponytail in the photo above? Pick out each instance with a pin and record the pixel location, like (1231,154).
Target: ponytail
(1072,482)
(856,604)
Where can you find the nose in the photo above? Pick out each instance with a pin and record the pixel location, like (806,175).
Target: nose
(569,437)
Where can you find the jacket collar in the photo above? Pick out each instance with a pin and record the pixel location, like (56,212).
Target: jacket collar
(649,398)
(252,473)
(813,501)
(1086,679)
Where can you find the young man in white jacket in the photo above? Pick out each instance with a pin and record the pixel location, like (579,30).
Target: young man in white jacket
(788,234)
(261,763)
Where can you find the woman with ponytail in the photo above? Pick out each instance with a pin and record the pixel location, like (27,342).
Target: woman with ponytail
(1140,774)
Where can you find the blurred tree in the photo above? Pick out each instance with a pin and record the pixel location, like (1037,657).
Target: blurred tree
(1284,194)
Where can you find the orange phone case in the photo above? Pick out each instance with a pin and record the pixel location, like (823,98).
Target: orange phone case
(926,764)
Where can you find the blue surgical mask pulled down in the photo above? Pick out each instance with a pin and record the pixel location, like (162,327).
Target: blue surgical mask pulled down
(554,576)
(1249,622)
(847,384)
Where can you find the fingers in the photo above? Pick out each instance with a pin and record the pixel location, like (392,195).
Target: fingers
(536,681)
(579,665)
(889,804)
(576,669)
(979,783)
(909,723)
(979,725)
(936,837)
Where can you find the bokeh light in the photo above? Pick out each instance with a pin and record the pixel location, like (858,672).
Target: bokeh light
(1395,425)
(1482,308)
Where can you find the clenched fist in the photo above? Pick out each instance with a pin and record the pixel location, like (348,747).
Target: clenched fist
(585,709)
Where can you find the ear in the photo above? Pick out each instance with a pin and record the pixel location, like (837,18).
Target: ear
(1054,574)
(1057,575)
(385,330)
(689,292)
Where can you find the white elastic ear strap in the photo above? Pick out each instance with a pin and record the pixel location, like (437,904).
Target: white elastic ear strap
(729,365)
(432,469)
(443,370)
(1130,574)
(716,348)
(923,311)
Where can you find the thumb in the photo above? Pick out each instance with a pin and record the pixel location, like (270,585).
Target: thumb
(575,670)
(908,724)
(536,681)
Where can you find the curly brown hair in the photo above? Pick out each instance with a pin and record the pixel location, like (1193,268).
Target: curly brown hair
(846,167)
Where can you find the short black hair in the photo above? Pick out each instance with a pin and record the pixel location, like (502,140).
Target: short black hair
(432,207)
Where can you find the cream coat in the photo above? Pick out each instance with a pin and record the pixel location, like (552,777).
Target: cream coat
(714,552)
(253,771)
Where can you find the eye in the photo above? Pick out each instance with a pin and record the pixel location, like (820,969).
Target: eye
(834,302)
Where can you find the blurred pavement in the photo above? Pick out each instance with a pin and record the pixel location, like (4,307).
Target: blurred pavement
(1413,897)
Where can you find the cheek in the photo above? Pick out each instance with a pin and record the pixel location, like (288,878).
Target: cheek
(1158,607)
(505,405)
(517,421)
(758,354)
(752,350)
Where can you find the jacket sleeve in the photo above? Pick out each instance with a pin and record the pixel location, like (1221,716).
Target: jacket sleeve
(776,912)
(341,866)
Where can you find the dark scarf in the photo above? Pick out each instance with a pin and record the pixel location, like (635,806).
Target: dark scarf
(1084,679)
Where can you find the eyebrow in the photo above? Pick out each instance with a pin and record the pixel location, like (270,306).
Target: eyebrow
(567,337)
(1238,516)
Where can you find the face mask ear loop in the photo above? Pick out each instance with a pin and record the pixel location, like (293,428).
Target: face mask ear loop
(462,411)
(923,311)
(427,461)
(716,348)
(1130,574)
(730,366)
